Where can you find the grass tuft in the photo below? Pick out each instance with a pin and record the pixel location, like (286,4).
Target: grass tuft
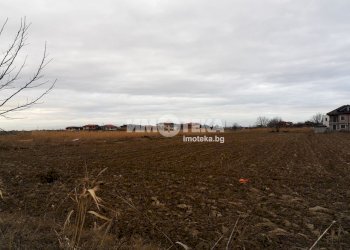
(86,199)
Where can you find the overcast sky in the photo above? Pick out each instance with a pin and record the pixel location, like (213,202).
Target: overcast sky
(233,60)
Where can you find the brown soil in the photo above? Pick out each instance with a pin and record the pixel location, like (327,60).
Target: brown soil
(298,184)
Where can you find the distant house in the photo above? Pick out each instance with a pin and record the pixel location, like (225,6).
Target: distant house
(109,127)
(285,124)
(309,124)
(73,128)
(191,127)
(91,127)
(124,127)
(338,119)
(167,126)
(132,128)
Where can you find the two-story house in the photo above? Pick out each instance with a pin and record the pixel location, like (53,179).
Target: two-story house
(339,119)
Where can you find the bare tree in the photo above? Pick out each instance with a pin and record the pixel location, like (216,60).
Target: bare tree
(317,118)
(262,121)
(11,82)
(236,126)
(275,123)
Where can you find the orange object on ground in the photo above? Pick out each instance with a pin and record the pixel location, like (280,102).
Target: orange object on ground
(243,180)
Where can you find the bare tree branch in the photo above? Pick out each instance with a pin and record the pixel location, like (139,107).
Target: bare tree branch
(3,26)
(14,48)
(9,78)
(262,121)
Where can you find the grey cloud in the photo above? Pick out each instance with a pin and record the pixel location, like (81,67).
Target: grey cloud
(232,60)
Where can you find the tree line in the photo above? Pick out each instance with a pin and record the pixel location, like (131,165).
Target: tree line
(278,122)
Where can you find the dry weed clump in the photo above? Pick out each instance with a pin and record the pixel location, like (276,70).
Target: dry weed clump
(1,190)
(87,203)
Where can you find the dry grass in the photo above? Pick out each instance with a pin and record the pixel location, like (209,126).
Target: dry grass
(18,230)
(29,137)
(87,226)
(1,190)
(282,130)
(86,202)
(45,136)
(86,135)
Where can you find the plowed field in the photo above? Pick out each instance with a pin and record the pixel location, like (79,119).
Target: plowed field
(166,190)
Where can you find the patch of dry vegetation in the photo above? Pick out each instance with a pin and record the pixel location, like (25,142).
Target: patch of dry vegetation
(67,136)
(87,201)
